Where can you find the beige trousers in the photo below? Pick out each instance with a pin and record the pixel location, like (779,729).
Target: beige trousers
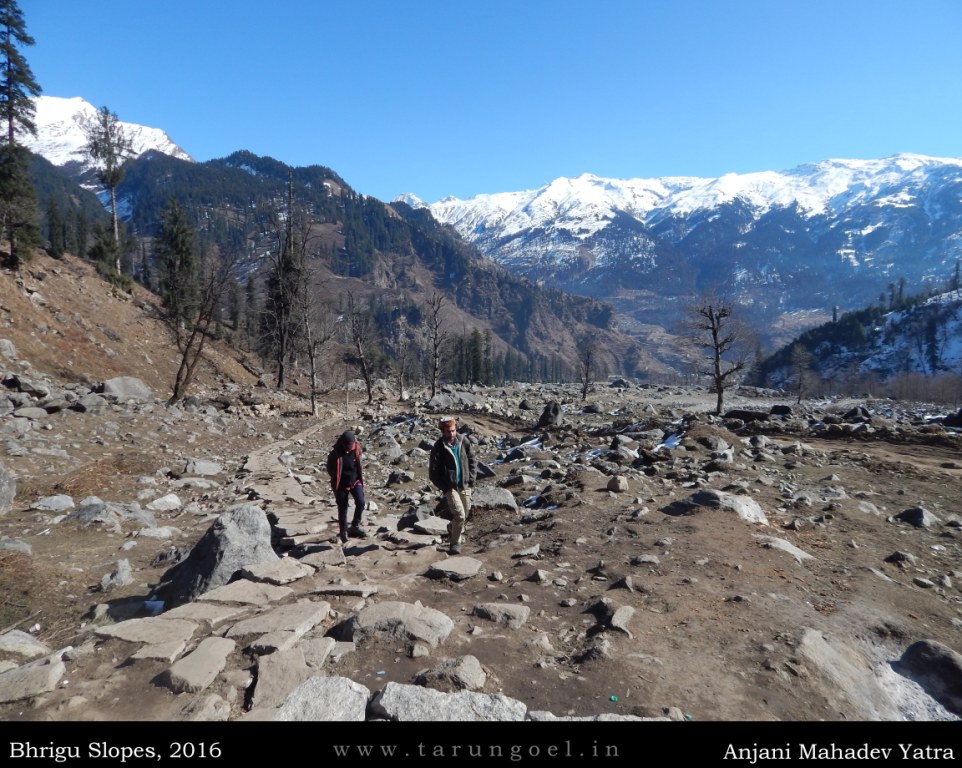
(458,502)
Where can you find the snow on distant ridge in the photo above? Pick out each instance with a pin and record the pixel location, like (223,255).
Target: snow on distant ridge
(587,203)
(61,136)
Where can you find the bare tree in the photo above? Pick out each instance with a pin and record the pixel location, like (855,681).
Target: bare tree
(588,358)
(192,336)
(402,350)
(437,338)
(319,325)
(802,375)
(711,325)
(362,333)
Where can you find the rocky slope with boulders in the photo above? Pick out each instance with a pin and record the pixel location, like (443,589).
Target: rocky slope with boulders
(628,557)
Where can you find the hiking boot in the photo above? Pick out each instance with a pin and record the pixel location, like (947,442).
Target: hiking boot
(342,536)
(356,532)
(454,549)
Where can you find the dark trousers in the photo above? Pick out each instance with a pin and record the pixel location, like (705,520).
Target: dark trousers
(343,497)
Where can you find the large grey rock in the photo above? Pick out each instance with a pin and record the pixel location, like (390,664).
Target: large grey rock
(454,568)
(507,614)
(938,669)
(551,415)
(407,622)
(920,517)
(462,673)
(707,498)
(239,538)
(847,678)
(410,703)
(490,497)
(111,515)
(202,467)
(325,699)
(31,679)
(125,389)
(21,643)
(58,503)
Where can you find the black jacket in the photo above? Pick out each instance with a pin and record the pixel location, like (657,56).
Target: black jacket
(335,466)
(442,470)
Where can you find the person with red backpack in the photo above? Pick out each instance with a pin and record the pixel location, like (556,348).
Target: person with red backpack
(347,481)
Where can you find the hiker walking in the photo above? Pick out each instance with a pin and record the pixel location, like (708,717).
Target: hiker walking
(453,470)
(347,482)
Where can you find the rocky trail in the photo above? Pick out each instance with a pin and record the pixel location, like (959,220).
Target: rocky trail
(630,558)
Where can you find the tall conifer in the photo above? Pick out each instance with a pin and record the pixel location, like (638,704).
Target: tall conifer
(109,148)
(18,200)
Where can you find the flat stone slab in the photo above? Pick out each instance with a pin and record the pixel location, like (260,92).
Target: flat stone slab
(773,542)
(409,703)
(58,503)
(277,675)
(431,526)
(410,622)
(316,650)
(163,651)
(151,630)
(31,679)
(199,668)
(273,642)
(320,558)
(214,614)
(455,568)
(280,572)
(301,540)
(320,699)
(246,592)
(296,617)
(512,616)
(22,643)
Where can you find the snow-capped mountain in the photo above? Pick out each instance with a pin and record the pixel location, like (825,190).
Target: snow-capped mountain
(822,235)
(61,133)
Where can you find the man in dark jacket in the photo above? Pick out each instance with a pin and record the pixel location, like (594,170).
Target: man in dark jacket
(347,481)
(453,470)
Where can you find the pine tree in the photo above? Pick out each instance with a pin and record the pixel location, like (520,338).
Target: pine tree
(109,149)
(56,229)
(176,265)
(18,201)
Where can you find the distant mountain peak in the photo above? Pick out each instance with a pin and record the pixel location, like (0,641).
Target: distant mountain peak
(61,135)
(410,199)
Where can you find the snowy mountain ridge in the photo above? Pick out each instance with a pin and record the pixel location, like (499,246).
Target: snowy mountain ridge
(585,204)
(61,136)
(784,244)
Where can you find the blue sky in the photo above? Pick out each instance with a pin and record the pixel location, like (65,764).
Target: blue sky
(457,97)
